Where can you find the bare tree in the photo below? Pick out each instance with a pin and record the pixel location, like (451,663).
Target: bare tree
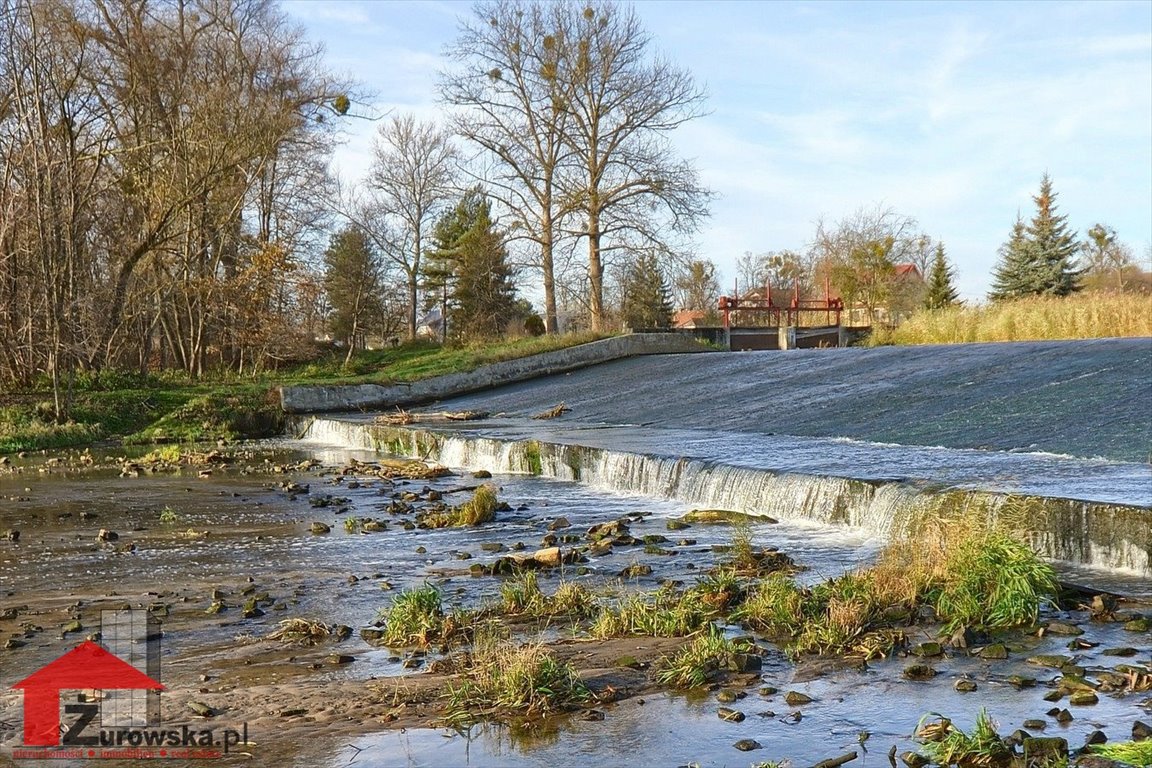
(411,180)
(859,256)
(623,102)
(514,110)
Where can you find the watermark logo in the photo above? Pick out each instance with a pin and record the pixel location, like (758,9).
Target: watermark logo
(116,710)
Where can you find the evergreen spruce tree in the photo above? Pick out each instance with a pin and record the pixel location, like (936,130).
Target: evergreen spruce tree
(941,282)
(1056,244)
(647,298)
(1040,257)
(468,272)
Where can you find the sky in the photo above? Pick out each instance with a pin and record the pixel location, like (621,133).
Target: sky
(946,112)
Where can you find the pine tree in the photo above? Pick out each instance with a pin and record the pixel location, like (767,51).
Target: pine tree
(469,271)
(647,299)
(1040,257)
(352,282)
(941,282)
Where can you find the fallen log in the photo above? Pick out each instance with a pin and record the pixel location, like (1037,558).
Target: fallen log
(836,762)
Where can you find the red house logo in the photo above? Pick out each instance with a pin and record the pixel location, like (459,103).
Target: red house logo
(85,666)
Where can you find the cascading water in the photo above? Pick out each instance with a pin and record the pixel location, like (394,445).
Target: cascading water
(1083,532)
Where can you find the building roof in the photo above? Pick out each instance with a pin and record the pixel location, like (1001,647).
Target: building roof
(688,318)
(908,270)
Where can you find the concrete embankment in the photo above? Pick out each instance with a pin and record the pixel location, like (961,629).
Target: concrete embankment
(353,397)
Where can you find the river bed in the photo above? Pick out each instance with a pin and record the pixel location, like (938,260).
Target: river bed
(183,535)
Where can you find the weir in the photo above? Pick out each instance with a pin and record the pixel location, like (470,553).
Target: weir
(1078,531)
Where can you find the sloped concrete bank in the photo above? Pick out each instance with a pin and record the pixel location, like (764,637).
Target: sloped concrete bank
(353,397)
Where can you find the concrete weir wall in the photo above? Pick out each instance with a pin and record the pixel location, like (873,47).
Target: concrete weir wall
(352,397)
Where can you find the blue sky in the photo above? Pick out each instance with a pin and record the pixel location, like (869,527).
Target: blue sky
(948,112)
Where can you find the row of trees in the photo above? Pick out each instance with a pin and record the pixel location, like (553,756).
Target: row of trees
(162,166)
(562,113)
(164,189)
(863,259)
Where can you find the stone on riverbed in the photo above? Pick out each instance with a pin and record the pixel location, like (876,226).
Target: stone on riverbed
(994,651)
(919,672)
(747,745)
(1062,628)
(928,649)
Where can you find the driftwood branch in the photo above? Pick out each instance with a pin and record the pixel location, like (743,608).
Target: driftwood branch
(552,413)
(836,762)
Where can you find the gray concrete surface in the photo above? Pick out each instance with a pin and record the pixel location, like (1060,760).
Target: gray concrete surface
(353,397)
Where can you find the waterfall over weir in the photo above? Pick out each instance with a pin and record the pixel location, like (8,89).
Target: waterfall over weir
(1099,534)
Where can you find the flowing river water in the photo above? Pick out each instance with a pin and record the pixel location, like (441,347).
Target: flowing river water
(837,496)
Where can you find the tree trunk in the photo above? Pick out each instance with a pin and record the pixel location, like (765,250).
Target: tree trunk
(595,271)
(547,243)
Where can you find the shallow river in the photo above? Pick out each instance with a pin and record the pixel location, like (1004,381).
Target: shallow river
(258,534)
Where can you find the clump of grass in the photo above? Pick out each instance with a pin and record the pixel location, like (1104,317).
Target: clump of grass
(302,632)
(526,681)
(775,605)
(994,581)
(1136,753)
(351,524)
(1079,316)
(742,553)
(521,594)
(480,509)
(168,454)
(417,617)
(573,599)
(241,412)
(169,516)
(946,745)
(720,590)
(26,434)
(665,613)
(972,571)
(695,663)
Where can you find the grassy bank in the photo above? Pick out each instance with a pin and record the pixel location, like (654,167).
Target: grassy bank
(1081,316)
(170,407)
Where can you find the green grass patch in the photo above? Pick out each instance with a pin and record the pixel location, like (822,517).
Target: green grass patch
(1135,753)
(424,359)
(171,406)
(665,613)
(994,581)
(944,744)
(521,595)
(247,413)
(971,573)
